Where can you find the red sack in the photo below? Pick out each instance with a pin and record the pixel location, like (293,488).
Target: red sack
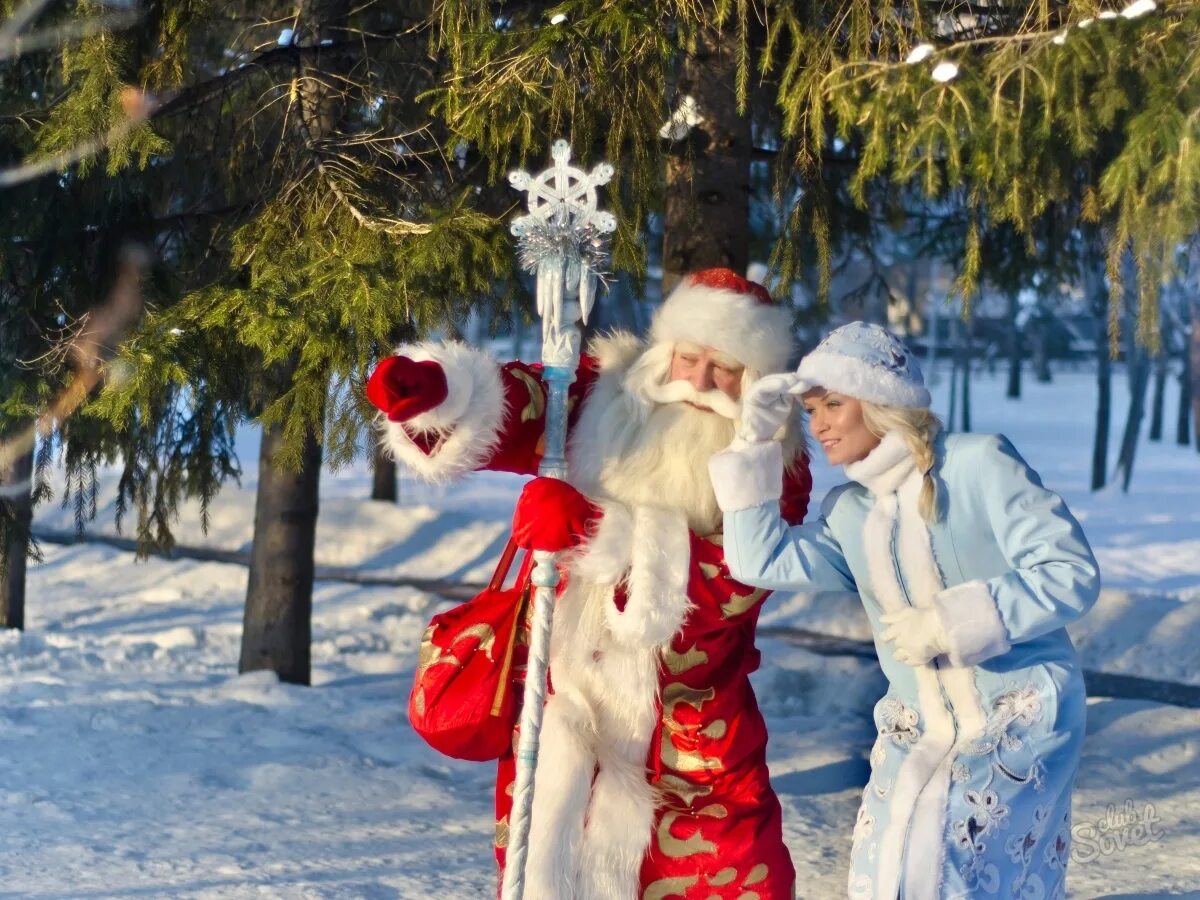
(464,700)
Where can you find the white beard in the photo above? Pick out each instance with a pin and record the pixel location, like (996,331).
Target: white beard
(659,459)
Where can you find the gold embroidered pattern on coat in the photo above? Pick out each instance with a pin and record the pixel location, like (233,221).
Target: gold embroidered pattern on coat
(536,406)
(676,693)
(686,760)
(724,877)
(678,848)
(678,663)
(739,603)
(669,887)
(685,790)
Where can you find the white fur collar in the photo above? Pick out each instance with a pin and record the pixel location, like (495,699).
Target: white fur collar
(885,468)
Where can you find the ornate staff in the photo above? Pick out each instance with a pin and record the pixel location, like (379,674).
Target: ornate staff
(562,240)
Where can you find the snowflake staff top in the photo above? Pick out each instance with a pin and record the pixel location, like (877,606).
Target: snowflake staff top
(562,240)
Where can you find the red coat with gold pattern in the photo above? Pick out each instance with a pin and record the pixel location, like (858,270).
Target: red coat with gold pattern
(714,822)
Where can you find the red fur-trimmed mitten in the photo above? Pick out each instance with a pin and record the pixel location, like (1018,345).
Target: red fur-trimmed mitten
(551,515)
(403,388)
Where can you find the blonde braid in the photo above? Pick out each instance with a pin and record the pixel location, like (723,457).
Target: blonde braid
(919,427)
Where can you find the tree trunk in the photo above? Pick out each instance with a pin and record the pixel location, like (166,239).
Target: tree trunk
(955,354)
(1014,349)
(708,173)
(932,324)
(1103,414)
(1041,355)
(965,352)
(277,625)
(383,472)
(1139,377)
(15,548)
(1183,436)
(1156,403)
(1097,294)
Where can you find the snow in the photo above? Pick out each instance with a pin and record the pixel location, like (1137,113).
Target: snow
(138,764)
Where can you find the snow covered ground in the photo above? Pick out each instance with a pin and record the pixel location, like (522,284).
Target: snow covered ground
(136,763)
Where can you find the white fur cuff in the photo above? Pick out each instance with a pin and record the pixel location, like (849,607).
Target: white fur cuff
(974,632)
(464,428)
(747,475)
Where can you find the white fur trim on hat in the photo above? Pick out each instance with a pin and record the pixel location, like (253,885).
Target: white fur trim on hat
(756,334)
(858,378)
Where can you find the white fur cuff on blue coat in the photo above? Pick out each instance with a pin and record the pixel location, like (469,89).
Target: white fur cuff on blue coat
(747,474)
(974,632)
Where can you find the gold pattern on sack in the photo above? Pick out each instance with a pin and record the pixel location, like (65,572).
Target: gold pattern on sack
(717,537)
(715,730)
(749,895)
(669,887)
(502,833)
(419,702)
(709,571)
(684,789)
(537,400)
(429,650)
(486,635)
(678,663)
(757,874)
(715,811)
(724,877)
(432,655)
(678,848)
(739,603)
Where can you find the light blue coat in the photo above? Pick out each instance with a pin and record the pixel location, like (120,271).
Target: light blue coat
(972,771)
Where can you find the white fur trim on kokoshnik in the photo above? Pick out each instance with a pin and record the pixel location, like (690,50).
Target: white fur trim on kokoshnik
(866,362)
(465,427)
(756,334)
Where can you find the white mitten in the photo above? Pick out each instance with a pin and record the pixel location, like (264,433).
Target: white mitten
(767,405)
(916,634)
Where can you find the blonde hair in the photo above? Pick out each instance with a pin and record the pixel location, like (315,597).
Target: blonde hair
(918,426)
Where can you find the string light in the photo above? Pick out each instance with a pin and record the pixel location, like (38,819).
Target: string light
(919,53)
(944,71)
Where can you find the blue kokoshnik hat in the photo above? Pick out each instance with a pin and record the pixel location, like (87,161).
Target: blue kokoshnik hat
(869,363)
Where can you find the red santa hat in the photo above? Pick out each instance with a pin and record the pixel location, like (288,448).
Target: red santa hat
(720,309)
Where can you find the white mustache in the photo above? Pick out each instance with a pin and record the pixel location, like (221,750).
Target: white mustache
(683,392)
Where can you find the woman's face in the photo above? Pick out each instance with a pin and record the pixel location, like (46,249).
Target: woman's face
(836,421)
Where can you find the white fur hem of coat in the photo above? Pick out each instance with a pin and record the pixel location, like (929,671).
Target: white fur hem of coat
(972,623)
(897,542)
(465,426)
(593,807)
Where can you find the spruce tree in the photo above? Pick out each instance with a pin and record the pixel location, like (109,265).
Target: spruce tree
(301,206)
